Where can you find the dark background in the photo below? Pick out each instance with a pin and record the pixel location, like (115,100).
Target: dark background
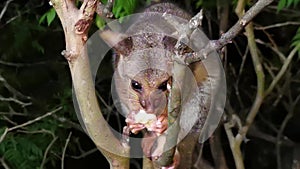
(35,79)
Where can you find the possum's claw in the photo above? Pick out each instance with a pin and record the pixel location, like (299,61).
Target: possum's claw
(133,126)
(160,125)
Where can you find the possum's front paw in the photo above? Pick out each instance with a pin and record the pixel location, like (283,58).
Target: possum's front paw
(140,120)
(160,125)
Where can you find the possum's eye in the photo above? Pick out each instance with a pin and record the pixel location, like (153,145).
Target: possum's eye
(136,85)
(163,86)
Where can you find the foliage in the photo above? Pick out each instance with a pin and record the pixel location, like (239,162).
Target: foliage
(35,78)
(49,16)
(124,8)
(23,151)
(100,22)
(296,41)
(286,4)
(120,9)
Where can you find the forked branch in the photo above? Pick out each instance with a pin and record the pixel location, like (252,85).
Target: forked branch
(76,23)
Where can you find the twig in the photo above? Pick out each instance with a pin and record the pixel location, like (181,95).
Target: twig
(274,49)
(285,11)
(258,100)
(260,83)
(184,31)
(12,113)
(10,99)
(231,33)
(235,141)
(290,114)
(255,132)
(236,152)
(279,96)
(276,25)
(28,123)
(35,120)
(37,132)
(270,37)
(17,65)
(14,91)
(236,85)
(68,122)
(281,90)
(64,150)
(4,163)
(22,13)
(242,64)
(46,152)
(110,111)
(105,10)
(282,70)
(5,8)
(3,135)
(9,120)
(83,155)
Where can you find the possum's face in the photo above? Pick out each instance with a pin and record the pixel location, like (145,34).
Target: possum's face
(142,87)
(143,74)
(148,91)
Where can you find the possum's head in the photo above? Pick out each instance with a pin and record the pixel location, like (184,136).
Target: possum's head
(143,81)
(143,74)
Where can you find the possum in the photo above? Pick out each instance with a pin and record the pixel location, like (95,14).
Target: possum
(143,72)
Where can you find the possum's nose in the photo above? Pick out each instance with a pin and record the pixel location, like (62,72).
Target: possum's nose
(155,103)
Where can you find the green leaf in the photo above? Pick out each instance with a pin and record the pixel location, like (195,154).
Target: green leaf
(199,3)
(100,22)
(42,19)
(49,16)
(289,3)
(281,5)
(117,11)
(296,41)
(123,8)
(286,3)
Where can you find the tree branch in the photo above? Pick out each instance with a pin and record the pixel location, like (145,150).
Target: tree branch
(236,141)
(76,23)
(276,25)
(291,109)
(282,70)
(64,150)
(231,33)
(5,8)
(47,150)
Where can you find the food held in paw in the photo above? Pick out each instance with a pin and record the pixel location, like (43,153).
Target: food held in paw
(145,118)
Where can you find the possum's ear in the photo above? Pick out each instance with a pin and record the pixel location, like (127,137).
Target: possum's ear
(122,50)
(170,43)
(124,47)
(119,42)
